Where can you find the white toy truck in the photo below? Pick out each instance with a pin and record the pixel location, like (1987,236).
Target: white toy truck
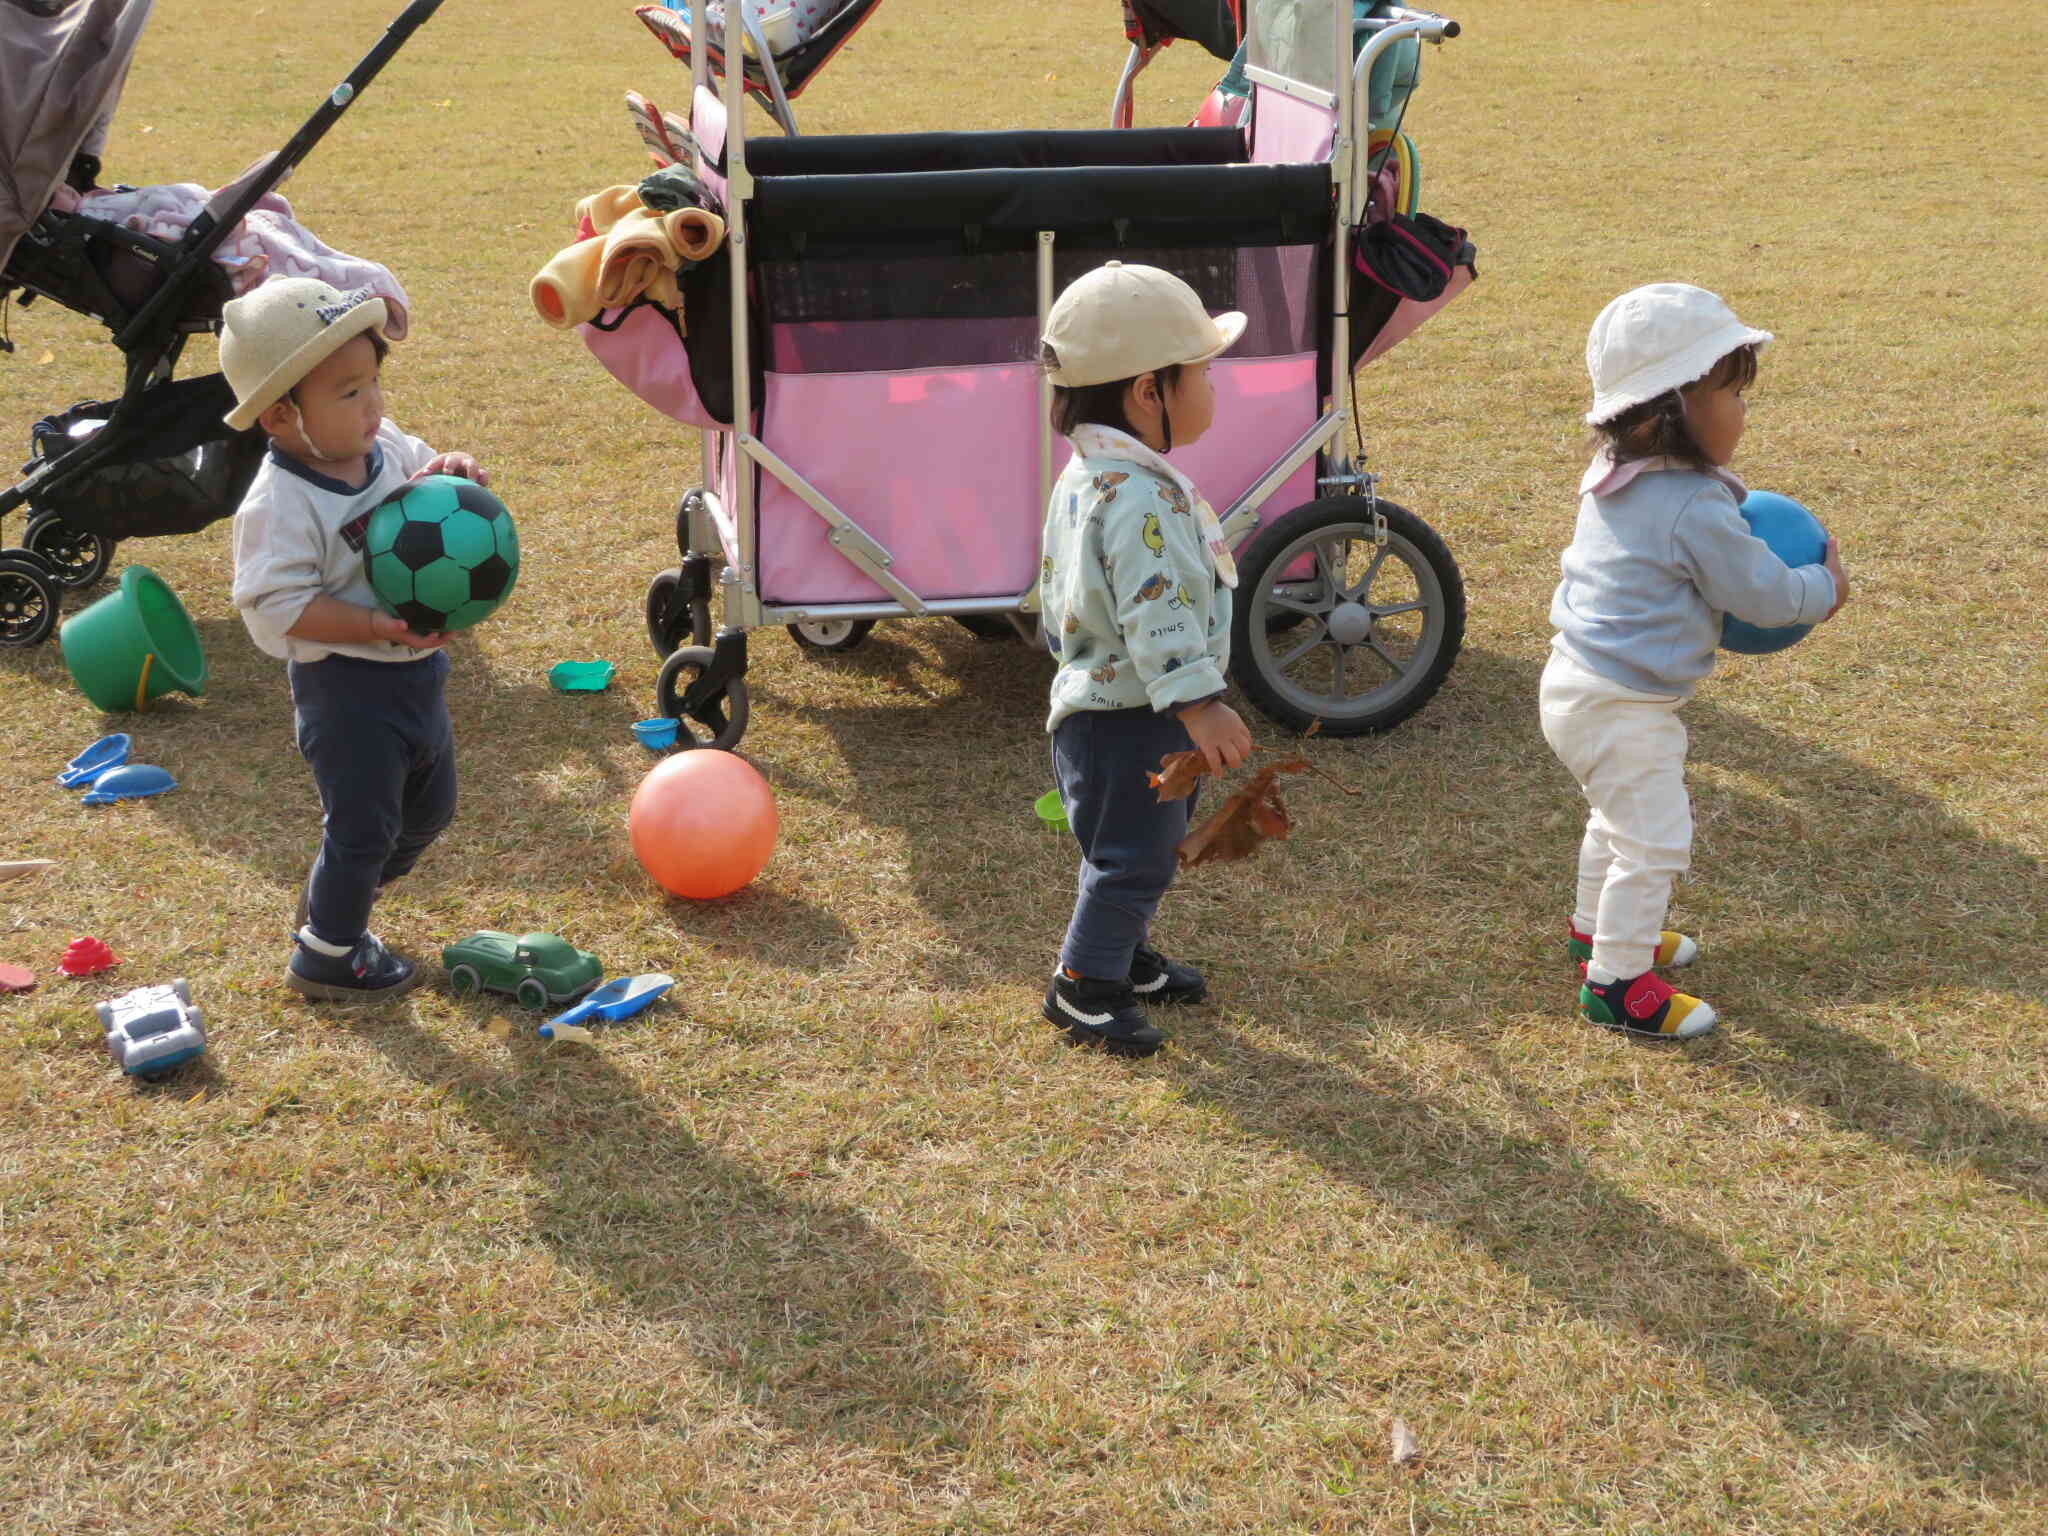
(152,1030)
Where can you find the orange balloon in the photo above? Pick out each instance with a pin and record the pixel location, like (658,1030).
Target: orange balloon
(703,823)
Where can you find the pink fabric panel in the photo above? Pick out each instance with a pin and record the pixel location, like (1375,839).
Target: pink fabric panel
(707,122)
(1409,314)
(939,466)
(1287,131)
(1262,405)
(647,356)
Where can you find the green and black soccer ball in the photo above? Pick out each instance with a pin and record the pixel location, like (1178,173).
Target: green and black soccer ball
(442,553)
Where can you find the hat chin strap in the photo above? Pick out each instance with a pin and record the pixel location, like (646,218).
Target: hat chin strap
(306,438)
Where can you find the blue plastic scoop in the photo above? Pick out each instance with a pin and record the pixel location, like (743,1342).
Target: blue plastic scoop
(134,781)
(109,752)
(613,1001)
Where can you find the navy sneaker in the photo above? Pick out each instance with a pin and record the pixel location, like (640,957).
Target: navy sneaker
(1157,979)
(1104,1013)
(366,973)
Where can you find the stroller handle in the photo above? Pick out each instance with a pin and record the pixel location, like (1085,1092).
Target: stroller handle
(1437,27)
(213,226)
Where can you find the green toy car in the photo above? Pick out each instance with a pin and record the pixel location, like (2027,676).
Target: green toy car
(536,968)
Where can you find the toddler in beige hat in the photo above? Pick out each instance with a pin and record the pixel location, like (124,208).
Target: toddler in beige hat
(305,363)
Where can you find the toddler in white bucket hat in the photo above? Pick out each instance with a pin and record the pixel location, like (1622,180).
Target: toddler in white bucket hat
(1660,553)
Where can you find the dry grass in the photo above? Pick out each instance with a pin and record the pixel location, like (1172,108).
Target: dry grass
(842,1241)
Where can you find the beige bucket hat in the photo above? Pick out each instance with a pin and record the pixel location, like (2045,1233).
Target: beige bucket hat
(273,337)
(1120,321)
(1657,338)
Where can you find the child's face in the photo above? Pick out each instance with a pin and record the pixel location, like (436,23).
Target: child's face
(1716,413)
(1193,404)
(341,402)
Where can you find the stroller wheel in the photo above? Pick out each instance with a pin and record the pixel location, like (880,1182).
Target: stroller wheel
(671,621)
(76,558)
(831,635)
(28,600)
(718,721)
(1366,630)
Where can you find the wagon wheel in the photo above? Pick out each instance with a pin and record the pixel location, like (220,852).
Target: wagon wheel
(28,600)
(830,635)
(464,978)
(667,629)
(75,558)
(531,993)
(1379,623)
(719,721)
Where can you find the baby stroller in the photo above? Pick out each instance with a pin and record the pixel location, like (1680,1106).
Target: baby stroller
(876,435)
(158,460)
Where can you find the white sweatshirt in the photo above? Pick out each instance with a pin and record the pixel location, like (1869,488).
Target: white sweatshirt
(299,534)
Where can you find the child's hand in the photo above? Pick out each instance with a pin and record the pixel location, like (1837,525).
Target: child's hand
(460,464)
(387,626)
(1831,562)
(1218,734)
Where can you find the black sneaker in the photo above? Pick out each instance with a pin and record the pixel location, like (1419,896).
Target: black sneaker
(366,973)
(1157,979)
(1104,1013)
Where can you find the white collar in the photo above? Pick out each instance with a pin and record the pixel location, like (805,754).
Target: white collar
(1604,477)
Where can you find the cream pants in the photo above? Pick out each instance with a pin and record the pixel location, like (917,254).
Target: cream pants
(1627,750)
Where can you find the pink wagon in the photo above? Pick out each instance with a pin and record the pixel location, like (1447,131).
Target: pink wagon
(860,360)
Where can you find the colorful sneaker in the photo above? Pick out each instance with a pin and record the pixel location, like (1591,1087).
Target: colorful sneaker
(1672,948)
(1645,1005)
(1105,1013)
(367,973)
(1157,979)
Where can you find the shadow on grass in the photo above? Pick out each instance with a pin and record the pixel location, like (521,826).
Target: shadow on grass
(802,1308)
(1595,1250)
(1880,892)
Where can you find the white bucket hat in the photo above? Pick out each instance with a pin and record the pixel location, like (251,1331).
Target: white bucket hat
(1118,322)
(1657,338)
(272,338)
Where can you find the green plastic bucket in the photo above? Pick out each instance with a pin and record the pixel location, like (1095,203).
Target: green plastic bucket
(1051,810)
(133,645)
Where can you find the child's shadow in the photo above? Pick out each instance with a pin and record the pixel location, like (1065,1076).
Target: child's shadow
(1531,1207)
(808,1312)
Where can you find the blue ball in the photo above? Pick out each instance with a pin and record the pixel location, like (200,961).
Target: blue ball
(1797,538)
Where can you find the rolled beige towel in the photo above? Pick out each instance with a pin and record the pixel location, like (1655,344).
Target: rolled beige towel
(695,233)
(564,292)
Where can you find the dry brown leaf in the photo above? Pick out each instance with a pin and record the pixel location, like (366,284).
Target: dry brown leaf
(1178,774)
(500,1027)
(572,1032)
(1247,819)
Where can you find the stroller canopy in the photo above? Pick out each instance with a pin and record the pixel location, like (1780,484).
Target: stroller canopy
(1218,25)
(62,63)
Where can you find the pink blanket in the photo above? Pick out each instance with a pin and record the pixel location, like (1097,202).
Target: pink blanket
(268,243)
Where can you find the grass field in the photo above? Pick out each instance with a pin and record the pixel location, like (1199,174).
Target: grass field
(842,1240)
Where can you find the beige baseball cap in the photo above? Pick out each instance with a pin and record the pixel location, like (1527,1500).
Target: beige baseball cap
(274,336)
(1120,321)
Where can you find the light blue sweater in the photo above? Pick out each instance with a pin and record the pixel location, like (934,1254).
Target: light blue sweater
(1659,554)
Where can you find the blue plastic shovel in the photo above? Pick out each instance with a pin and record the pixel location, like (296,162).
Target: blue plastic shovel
(104,755)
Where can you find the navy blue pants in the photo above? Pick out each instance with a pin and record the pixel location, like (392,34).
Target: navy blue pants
(1099,760)
(382,750)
